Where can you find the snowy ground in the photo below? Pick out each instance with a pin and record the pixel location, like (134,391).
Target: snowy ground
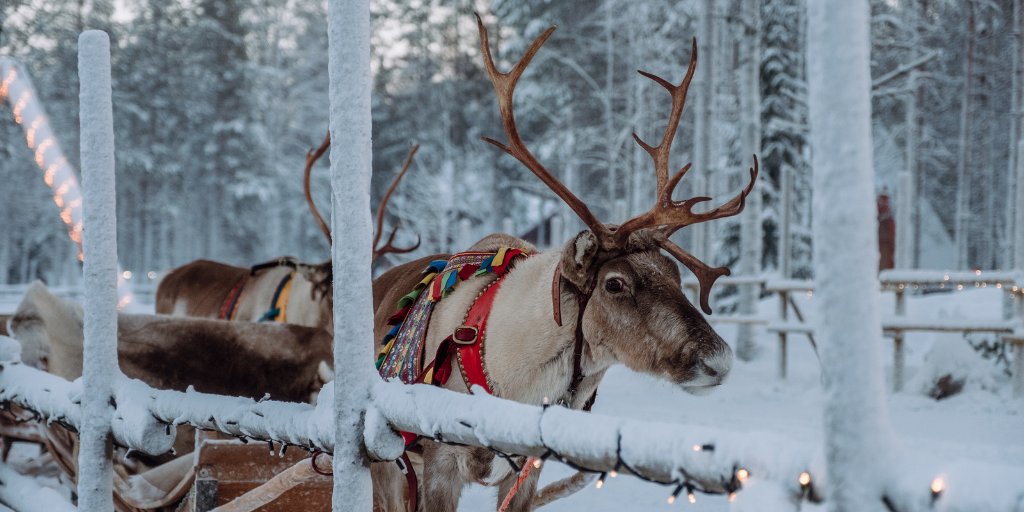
(976,424)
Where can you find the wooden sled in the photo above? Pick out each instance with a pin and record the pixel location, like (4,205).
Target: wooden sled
(228,469)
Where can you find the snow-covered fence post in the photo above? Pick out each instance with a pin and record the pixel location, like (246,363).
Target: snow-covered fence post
(349,71)
(99,240)
(858,439)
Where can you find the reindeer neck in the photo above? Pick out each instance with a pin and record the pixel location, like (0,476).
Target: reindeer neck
(527,355)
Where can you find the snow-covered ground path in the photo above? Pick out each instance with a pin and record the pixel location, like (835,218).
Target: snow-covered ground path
(974,425)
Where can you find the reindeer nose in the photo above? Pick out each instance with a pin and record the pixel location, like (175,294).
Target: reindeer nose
(718,364)
(709,370)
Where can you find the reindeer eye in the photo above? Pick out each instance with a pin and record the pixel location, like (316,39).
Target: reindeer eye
(615,285)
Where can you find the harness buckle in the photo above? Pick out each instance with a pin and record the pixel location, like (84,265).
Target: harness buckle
(466,335)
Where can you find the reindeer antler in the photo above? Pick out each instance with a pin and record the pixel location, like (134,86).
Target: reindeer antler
(667,215)
(504,86)
(388,247)
(311,158)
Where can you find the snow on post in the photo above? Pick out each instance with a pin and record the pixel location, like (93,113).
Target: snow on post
(99,362)
(348,32)
(857,433)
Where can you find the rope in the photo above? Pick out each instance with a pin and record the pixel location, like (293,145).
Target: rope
(519,482)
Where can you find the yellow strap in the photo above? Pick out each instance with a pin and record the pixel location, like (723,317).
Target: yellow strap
(387,348)
(499,258)
(282,301)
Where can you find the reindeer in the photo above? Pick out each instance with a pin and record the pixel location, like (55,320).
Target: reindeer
(283,289)
(561,318)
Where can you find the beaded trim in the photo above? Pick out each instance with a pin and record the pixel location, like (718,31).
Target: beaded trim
(480,340)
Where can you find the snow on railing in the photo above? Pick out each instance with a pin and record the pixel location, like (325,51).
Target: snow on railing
(690,458)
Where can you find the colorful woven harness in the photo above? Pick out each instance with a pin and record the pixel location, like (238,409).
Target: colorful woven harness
(228,310)
(401,355)
(278,311)
(403,345)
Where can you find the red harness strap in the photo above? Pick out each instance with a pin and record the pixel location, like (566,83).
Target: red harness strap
(227,311)
(464,344)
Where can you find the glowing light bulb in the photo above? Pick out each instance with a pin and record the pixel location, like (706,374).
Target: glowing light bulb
(959,287)
(901,287)
(732,496)
(30,135)
(41,150)
(945,278)
(809,293)
(613,474)
(536,463)
(999,285)
(983,285)
(938,485)
(805,478)
(693,499)
(127,274)
(671,500)
(696,447)
(977,272)
(22,102)
(600,482)
(6,84)
(52,170)
(742,474)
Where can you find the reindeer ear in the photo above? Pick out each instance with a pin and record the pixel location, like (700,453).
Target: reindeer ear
(578,257)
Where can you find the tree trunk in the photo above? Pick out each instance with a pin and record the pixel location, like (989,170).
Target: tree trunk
(750,222)
(1012,182)
(705,156)
(858,438)
(906,195)
(609,92)
(963,190)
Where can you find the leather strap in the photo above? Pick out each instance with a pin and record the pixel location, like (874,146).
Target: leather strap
(582,299)
(556,294)
(410,479)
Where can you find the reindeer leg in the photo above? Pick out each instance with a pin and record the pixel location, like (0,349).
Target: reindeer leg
(442,486)
(523,501)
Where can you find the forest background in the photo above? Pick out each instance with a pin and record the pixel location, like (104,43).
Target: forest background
(216,103)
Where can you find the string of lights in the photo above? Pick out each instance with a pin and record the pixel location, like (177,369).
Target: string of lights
(295,425)
(59,175)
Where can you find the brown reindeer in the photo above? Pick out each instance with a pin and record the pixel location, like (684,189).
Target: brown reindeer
(540,343)
(210,289)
